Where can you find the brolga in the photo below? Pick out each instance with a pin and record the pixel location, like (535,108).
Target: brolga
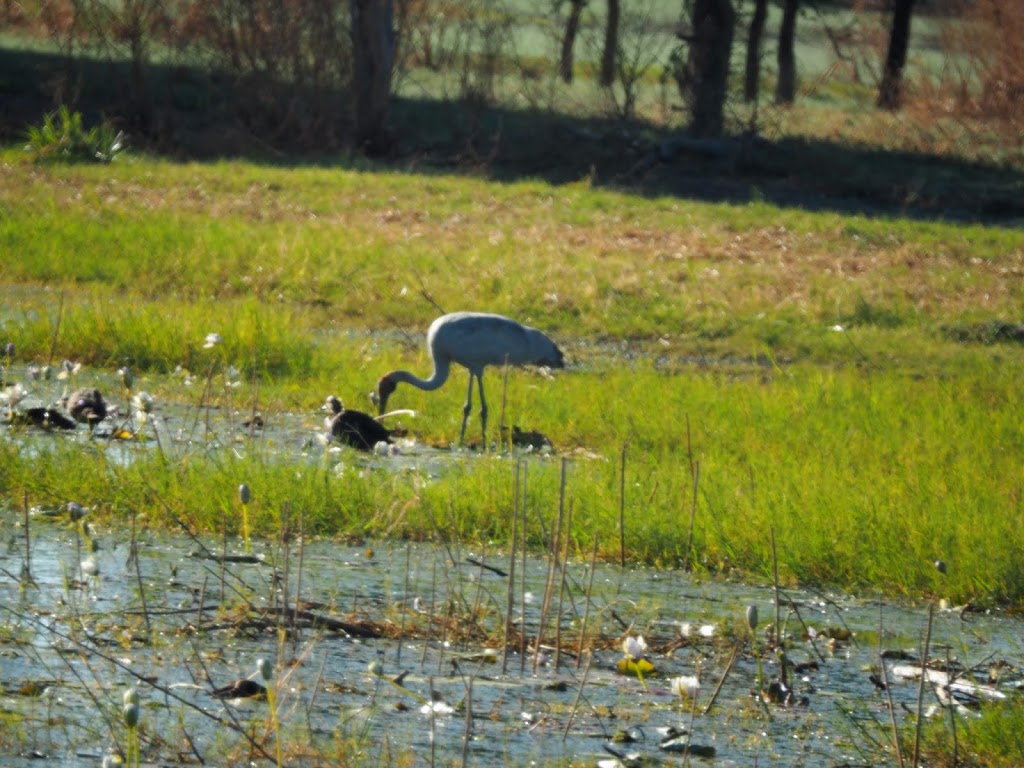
(474,340)
(355,428)
(87,406)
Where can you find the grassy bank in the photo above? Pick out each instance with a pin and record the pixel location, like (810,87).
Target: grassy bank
(847,383)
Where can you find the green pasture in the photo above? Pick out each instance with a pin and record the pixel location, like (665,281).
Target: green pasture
(847,385)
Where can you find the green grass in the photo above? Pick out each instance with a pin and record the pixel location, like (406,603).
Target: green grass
(608,263)
(990,741)
(696,333)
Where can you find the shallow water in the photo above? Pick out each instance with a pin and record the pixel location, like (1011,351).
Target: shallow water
(81,644)
(70,644)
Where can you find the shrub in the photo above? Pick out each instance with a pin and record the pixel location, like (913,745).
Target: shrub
(63,138)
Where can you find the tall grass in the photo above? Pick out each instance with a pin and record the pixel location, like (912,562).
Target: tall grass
(820,368)
(990,741)
(108,329)
(865,478)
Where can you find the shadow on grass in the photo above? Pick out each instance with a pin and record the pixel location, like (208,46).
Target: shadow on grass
(193,115)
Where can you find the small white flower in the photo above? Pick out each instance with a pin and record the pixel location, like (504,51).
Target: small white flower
(131,696)
(686,629)
(12,395)
(212,340)
(143,402)
(69,369)
(437,708)
(634,647)
(685,686)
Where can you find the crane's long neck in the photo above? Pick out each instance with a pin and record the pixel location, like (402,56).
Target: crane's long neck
(442,367)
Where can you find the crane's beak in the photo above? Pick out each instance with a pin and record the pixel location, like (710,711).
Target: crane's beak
(380,395)
(378,401)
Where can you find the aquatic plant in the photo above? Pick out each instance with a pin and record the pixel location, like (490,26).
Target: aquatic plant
(751,615)
(130,714)
(687,687)
(634,660)
(266,671)
(245,496)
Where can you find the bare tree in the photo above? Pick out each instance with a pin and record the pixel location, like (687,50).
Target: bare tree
(785,86)
(611,43)
(890,91)
(373,51)
(752,73)
(572,28)
(641,47)
(137,24)
(703,79)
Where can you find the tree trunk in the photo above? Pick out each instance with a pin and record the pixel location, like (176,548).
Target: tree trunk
(611,43)
(752,75)
(572,26)
(373,51)
(707,66)
(890,91)
(785,87)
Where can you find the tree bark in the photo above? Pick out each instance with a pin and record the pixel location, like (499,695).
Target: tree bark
(572,27)
(707,66)
(611,43)
(890,91)
(785,86)
(373,52)
(752,74)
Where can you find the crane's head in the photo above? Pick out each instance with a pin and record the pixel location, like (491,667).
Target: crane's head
(556,360)
(385,387)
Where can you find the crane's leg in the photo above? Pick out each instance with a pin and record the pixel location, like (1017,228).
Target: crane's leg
(466,409)
(483,412)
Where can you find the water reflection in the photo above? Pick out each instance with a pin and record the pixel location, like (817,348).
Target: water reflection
(400,649)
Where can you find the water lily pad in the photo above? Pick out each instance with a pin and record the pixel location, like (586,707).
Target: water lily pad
(635,667)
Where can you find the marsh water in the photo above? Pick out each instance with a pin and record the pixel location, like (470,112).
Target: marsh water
(401,654)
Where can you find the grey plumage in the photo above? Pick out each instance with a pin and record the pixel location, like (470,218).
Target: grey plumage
(474,340)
